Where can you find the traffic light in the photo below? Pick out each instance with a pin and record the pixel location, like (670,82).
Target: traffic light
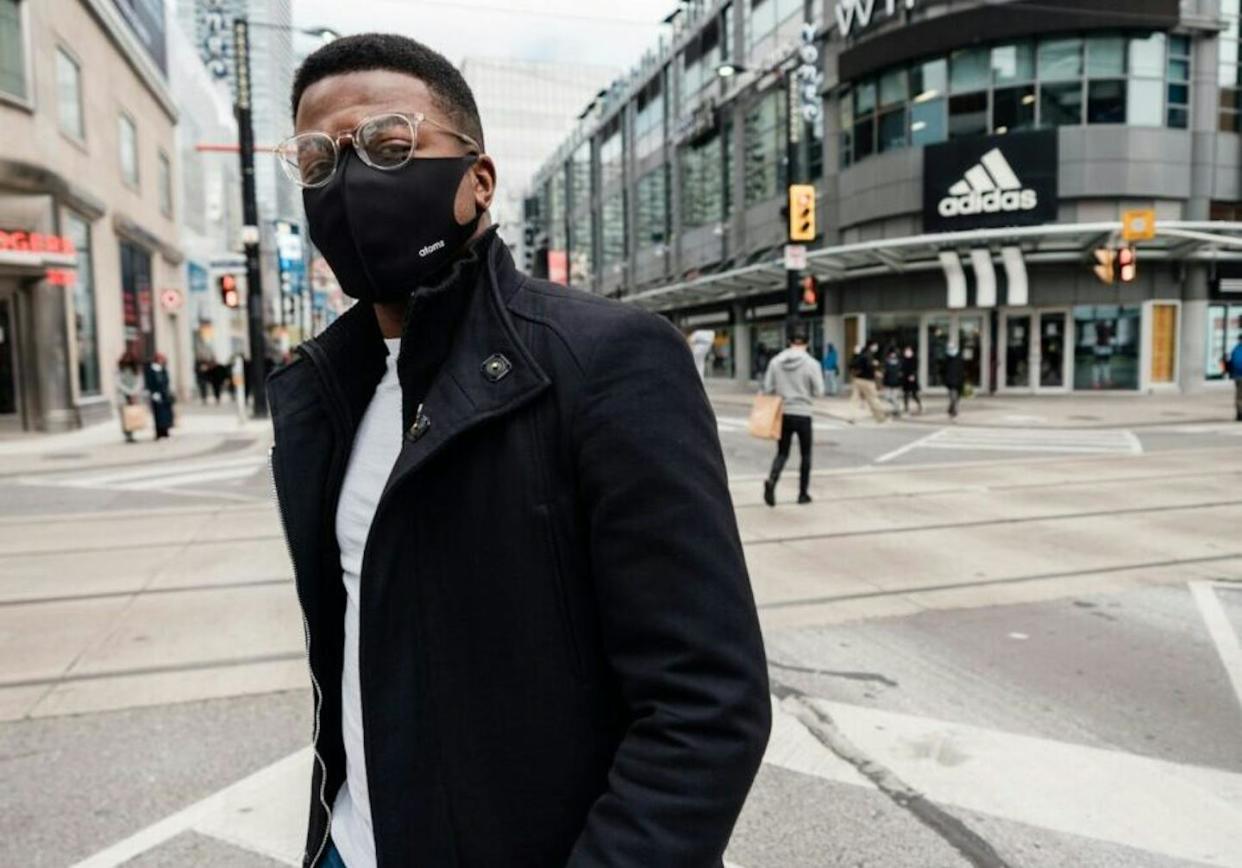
(229,295)
(801,212)
(1105,258)
(1127,264)
(810,290)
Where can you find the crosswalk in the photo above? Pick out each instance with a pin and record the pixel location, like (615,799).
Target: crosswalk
(182,477)
(1076,441)
(739,424)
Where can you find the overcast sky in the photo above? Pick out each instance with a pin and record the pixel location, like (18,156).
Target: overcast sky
(602,32)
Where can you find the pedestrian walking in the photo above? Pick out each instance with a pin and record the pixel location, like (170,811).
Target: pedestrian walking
(1235,371)
(862,374)
(954,378)
(891,377)
(129,394)
(910,380)
(798,379)
(832,370)
(202,377)
(160,393)
(702,341)
(530,628)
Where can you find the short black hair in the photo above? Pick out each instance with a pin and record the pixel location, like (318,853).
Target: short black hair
(367,51)
(798,335)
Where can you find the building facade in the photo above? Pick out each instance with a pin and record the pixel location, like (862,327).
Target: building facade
(969,159)
(89,259)
(527,109)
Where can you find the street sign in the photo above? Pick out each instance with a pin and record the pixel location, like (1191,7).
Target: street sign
(1138,225)
(795,257)
(171,300)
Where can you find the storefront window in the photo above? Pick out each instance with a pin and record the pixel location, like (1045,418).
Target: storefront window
(86,335)
(1052,350)
(1018,352)
(136,302)
(1106,347)
(1224,330)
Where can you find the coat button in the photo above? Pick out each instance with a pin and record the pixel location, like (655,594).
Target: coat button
(497,367)
(422,423)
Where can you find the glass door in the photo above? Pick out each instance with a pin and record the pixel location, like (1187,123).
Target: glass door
(1017,374)
(8,368)
(970,344)
(1052,357)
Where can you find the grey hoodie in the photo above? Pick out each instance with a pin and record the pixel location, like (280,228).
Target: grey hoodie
(797,378)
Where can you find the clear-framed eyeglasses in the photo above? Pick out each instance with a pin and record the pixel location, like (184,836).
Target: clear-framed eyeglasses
(386,142)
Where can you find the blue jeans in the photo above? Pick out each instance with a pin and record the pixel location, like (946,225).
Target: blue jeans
(332,859)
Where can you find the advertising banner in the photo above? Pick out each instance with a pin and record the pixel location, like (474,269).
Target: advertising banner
(990,181)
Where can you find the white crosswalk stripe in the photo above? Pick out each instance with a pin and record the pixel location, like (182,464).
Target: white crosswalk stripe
(732,424)
(1073,441)
(164,476)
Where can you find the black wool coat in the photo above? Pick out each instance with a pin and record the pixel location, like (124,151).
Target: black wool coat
(561,663)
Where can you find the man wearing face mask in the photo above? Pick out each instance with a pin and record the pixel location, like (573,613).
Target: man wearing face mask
(530,629)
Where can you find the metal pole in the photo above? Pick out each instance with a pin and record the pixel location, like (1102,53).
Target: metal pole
(250,216)
(792,276)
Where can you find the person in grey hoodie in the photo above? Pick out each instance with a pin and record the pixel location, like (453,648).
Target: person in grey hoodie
(798,379)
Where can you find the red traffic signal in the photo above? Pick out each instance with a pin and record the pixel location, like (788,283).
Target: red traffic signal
(810,291)
(229,294)
(1127,264)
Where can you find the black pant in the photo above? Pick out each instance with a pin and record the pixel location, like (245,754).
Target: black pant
(955,395)
(791,425)
(911,392)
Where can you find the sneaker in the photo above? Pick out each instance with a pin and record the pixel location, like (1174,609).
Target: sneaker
(769,492)
(804,498)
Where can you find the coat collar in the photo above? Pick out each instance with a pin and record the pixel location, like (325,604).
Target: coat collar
(487,373)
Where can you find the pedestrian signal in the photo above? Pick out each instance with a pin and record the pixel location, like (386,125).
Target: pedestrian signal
(229,296)
(801,212)
(1105,258)
(1127,264)
(810,291)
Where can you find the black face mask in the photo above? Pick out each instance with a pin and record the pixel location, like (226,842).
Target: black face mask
(383,233)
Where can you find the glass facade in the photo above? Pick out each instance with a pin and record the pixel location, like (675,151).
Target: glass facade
(85,327)
(1134,79)
(764,161)
(1224,331)
(1230,73)
(769,20)
(652,208)
(649,121)
(1106,347)
(581,218)
(702,187)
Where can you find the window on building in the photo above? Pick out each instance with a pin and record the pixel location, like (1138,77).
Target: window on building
(13,72)
(612,230)
(581,218)
(128,134)
(1060,104)
(702,182)
(1106,85)
(1224,331)
(764,133)
(166,185)
(611,155)
(968,115)
(649,120)
(1178,82)
(768,20)
(1013,64)
(651,208)
(69,96)
(1060,59)
(86,336)
(1013,109)
(893,95)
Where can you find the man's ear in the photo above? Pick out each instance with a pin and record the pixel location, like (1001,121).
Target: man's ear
(483,173)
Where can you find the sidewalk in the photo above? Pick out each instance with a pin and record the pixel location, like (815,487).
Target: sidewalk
(1081,410)
(199,431)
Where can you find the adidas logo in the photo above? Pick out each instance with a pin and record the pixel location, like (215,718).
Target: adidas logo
(989,187)
(431,248)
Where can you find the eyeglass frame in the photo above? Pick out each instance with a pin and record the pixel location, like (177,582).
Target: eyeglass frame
(414,119)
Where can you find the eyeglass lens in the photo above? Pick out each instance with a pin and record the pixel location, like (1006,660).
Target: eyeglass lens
(383,142)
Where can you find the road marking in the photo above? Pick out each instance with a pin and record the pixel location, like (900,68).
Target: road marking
(164,478)
(1221,632)
(912,445)
(734,424)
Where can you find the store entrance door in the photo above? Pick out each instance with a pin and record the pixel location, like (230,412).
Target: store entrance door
(9,407)
(965,331)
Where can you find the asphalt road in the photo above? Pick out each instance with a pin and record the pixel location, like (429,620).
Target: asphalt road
(987,648)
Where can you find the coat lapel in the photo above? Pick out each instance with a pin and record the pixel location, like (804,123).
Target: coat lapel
(489,371)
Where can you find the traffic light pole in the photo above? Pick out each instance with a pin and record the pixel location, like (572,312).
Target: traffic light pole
(250,217)
(793,276)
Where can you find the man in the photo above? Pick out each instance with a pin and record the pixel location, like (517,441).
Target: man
(701,341)
(798,379)
(1235,371)
(863,369)
(530,630)
(954,378)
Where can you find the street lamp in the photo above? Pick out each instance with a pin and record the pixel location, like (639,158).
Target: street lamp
(728,69)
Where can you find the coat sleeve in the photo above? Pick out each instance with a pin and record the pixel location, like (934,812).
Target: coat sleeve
(677,616)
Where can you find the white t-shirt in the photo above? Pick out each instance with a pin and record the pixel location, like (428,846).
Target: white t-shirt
(376,446)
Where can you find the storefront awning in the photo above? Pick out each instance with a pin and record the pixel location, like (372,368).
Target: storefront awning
(1183,241)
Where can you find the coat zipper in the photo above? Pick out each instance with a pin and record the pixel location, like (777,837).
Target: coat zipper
(318,691)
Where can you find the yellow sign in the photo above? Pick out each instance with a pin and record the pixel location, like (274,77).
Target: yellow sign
(801,212)
(1138,225)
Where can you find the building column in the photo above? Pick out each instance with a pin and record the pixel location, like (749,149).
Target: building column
(1192,330)
(50,376)
(741,345)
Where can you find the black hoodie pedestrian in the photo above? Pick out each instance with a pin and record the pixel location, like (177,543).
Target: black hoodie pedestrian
(910,379)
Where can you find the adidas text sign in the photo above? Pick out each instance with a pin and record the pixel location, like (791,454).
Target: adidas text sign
(1001,181)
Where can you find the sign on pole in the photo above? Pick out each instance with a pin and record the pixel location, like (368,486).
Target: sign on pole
(795,257)
(1139,225)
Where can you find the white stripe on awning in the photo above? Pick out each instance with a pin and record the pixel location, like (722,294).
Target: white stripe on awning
(985,277)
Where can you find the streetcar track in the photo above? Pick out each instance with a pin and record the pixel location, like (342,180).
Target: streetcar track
(983,583)
(194,666)
(132,592)
(990,522)
(144,544)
